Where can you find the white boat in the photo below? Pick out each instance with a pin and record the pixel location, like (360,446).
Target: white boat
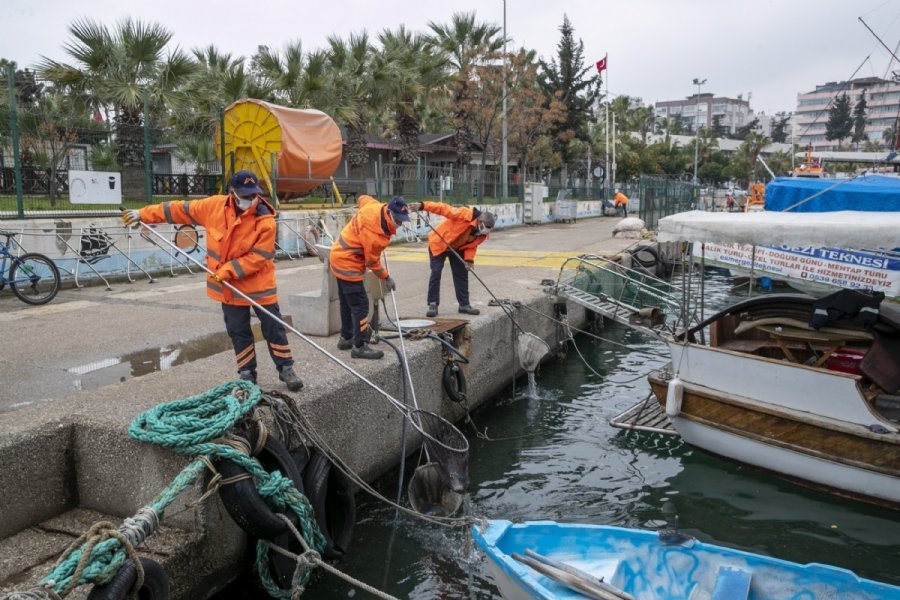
(557,561)
(818,405)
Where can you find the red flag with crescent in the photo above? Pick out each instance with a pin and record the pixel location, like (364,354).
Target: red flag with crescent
(601,65)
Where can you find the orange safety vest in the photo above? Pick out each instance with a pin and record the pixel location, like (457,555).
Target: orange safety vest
(620,198)
(362,241)
(457,230)
(242,244)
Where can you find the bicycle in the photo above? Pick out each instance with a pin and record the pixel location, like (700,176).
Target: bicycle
(33,277)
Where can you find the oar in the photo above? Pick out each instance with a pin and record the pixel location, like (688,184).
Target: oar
(587,587)
(576,571)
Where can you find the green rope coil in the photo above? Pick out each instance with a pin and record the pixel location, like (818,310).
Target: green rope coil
(189,427)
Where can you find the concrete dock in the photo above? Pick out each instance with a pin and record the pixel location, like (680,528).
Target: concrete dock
(75,372)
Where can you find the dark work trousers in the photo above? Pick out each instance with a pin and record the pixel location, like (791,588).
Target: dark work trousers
(460,277)
(237,323)
(354,311)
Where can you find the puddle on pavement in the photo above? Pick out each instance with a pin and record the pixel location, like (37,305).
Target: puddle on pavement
(99,373)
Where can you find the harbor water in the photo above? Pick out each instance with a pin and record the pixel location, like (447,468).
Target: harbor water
(550,453)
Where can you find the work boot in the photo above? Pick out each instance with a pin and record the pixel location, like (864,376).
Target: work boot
(365,351)
(247,375)
(290,379)
(468,309)
(432,310)
(344,344)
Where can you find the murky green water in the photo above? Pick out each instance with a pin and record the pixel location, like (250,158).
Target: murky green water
(553,455)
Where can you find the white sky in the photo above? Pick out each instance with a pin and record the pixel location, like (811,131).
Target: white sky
(773,49)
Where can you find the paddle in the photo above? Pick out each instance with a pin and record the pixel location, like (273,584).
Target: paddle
(581,583)
(576,571)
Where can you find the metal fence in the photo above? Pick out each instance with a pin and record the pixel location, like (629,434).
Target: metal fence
(661,196)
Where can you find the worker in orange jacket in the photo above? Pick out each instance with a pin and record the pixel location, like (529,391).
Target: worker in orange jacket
(240,235)
(456,238)
(621,202)
(358,248)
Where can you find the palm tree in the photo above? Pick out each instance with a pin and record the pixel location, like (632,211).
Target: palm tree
(296,78)
(749,151)
(464,42)
(117,68)
(418,84)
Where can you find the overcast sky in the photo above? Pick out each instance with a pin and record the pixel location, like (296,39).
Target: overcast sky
(772,49)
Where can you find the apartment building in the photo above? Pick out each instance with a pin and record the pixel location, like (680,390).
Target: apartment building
(701,110)
(811,116)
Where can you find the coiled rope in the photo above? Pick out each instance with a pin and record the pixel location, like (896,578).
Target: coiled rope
(194,426)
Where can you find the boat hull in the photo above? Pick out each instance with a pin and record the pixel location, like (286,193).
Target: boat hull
(808,425)
(645,566)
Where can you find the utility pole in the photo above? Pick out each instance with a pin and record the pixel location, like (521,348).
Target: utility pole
(504,160)
(698,83)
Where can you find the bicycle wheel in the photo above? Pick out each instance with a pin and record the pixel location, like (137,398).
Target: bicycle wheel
(34,278)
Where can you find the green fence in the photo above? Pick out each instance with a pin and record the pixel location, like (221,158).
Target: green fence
(660,197)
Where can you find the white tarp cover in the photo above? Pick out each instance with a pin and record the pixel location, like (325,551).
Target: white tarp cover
(843,229)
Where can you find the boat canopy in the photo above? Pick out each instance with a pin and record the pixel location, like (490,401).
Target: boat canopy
(842,229)
(865,193)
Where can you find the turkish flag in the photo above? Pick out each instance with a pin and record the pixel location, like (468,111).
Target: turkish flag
(601,65)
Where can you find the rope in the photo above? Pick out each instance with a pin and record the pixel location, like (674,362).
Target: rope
(195,426)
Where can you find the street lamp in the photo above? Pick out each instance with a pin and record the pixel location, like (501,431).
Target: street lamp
(698,83)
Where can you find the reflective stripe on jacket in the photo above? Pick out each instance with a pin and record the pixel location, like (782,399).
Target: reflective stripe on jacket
(457,229)
(361,242)
(242,246)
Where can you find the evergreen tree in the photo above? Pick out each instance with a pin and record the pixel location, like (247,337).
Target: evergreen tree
(840,122)
(779,130)
(565,77)
(859,119)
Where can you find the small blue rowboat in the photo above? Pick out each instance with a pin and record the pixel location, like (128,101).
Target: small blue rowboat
(555,561)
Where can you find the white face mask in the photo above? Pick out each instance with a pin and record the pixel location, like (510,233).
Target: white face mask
(483,229)
(244,203)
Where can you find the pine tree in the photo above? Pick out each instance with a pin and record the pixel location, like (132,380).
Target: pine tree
(566,78)
(859,119)
(840,122)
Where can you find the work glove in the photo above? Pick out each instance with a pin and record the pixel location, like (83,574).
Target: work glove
(389,283)
(470,266)
(222,275)
(131,217)
(415,206)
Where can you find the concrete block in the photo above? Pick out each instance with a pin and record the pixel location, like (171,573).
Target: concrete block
(38,476)
(318,312)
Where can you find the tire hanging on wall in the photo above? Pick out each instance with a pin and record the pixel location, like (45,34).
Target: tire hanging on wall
(646,260)
(454,381)
(331,494)
(155,586)
(242,500)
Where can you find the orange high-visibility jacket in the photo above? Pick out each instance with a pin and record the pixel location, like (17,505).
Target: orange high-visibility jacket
(457,229)
(362,241)
(240,247)
(620,198)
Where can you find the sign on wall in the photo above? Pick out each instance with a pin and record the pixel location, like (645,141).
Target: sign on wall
(95,187)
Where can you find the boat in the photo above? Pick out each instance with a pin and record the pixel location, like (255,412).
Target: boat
(776,388)
(810,168)
(556,561)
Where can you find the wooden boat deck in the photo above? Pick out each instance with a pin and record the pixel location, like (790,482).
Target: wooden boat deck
(647,415)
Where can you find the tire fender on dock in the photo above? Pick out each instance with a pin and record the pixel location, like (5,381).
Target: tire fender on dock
(330,492)
(155,586)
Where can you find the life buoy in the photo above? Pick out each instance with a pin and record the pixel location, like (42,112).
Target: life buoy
(155,586)
(243,502)
(331,494)
(454,381)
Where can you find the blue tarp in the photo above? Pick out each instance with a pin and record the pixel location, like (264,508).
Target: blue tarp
(867,193)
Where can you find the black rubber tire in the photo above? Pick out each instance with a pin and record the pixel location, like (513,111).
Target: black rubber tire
(454,381)
(156,583)
(22,262)
(636,256)
(244,503)
(331,494)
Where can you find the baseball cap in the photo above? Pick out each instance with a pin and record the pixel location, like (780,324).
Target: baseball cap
(245,183)
(488,219)
(398,206)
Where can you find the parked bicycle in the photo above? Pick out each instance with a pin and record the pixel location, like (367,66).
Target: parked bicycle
(33,277)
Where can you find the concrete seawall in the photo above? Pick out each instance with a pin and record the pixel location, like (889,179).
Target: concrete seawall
(68,462)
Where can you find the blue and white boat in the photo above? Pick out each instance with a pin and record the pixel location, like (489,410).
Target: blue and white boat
(549,560)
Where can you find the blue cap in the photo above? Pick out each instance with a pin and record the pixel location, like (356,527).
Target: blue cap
(399,208)
(245,183)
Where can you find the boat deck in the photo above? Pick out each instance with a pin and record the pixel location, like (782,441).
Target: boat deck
(647,415)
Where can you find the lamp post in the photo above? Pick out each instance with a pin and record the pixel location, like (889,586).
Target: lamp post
(504,158)
(698,83)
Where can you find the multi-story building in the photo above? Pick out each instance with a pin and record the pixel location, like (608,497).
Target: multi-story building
(703,110)
(813,108)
